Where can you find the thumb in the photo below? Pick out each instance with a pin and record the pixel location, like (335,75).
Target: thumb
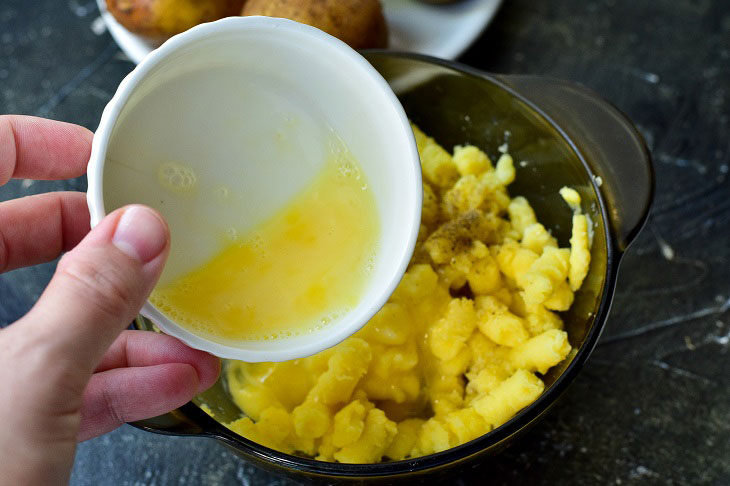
(99,287)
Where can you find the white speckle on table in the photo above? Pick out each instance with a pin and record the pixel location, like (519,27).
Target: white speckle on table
(81,9)
(99,93)
(682,162)
(121,56)
(666,250)
(642,471)
(650,78)
(722,340)
(98,27)
(242,476)
(216,477)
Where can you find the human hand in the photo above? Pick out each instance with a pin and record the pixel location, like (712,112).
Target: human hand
(68,369)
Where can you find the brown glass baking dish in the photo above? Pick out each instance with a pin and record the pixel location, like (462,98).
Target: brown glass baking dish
(567,135)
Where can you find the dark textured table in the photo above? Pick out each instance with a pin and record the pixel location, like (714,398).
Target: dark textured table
(652,406)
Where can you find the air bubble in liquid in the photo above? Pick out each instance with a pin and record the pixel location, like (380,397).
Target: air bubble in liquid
(177,177)
(370,264)
(232,233)
(221,193)
(345,170)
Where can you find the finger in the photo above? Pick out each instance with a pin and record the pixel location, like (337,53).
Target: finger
(37,148)
(144,348)
(36,229)
(127,394)
(97,289)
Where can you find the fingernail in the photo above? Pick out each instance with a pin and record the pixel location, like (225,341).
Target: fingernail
(140,234)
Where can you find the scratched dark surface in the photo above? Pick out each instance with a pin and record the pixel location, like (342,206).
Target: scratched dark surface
(652,406)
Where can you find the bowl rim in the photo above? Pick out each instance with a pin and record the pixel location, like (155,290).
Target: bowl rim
(512,427)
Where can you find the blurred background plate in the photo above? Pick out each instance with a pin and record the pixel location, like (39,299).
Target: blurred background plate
(438,30)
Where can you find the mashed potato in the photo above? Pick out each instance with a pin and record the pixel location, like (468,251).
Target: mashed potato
(457,350)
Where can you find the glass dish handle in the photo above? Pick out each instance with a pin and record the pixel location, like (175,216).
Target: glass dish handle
(609,142)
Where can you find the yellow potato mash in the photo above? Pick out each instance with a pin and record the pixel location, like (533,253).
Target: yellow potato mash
(458,349)
(291,275)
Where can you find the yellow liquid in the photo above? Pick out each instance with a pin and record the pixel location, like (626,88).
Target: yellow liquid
(293,274)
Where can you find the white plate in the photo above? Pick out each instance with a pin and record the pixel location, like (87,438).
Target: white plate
(438,30)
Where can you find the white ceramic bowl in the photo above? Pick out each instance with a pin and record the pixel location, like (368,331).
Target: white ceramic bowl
(216,100)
